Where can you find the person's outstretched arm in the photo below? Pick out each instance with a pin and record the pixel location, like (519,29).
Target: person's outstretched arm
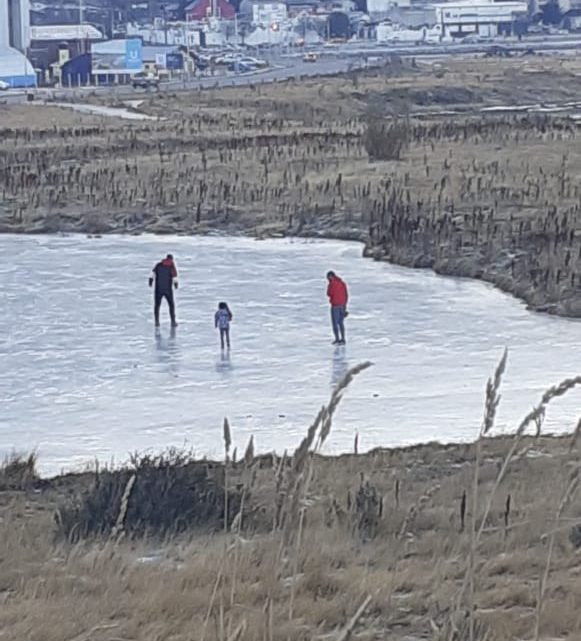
(174,273)
(152,277)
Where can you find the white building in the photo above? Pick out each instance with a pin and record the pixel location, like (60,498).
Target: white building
(65,32)
(378,9)
(267,14)
(186,34)
(15,24)
(15,69)
(389,33)
(483,17)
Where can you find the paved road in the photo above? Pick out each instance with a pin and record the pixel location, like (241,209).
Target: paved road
(332,60)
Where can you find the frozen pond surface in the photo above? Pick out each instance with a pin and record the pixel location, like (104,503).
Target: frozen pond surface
(85,376)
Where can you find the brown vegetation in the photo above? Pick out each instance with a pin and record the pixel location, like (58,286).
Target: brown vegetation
(492,196)
(432,542)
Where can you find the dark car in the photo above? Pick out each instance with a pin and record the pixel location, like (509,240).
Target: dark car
(144,81)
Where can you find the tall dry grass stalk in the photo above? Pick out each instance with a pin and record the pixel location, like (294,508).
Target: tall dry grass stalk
(325,420)
(118,530)
(227,444)
(575,437)
(535,416)
(347,631)
(237,521)
(566,498)
(491,403)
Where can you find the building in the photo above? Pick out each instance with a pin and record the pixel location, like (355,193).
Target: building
(414,17)
(15,68)
(485,18)
(380,8)
(268,13)
(186,34)
(202,9)
(338,26)
(572,20)
(298,8)
(56,44)
(390,33)
(118,59)
(15,24)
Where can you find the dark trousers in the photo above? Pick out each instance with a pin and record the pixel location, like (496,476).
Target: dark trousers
(159,296)
(225,338)
(338,321)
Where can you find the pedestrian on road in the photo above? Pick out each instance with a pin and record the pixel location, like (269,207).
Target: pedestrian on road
(338,298)
(165,277)
(222,319)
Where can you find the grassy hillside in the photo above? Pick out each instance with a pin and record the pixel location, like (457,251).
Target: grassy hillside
(477,541)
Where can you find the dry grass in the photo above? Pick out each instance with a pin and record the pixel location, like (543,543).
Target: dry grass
(18,472)
(488,196)
(402,575)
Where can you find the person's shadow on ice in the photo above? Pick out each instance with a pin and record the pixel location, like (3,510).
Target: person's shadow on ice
(168,350)
(224,363)
(340,364)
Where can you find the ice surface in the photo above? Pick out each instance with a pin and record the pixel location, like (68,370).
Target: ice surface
(85,377)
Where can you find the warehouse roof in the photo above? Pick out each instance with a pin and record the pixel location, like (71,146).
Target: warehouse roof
(65,32)
(15,69)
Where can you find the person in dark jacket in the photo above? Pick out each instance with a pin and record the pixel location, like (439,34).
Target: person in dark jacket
(222,319)
(338,298)
(165,277)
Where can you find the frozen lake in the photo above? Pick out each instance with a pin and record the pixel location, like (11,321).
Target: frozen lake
(84,376)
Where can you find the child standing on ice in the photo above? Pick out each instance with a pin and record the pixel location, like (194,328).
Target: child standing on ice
(222,320)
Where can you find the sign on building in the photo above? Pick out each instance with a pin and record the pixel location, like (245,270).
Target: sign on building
(268,13)
(133,57)
(116,57)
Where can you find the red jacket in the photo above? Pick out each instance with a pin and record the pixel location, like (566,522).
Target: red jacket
(337,292)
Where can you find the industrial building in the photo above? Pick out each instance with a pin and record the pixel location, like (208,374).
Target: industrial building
(263,14)
(51,46)
(378,9)
(485,18)
(15,68)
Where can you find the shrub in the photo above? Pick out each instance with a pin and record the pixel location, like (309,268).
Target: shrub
(18,472)
(170,493)
(386,140)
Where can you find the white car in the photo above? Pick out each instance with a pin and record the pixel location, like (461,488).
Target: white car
(4,85)
(255,62)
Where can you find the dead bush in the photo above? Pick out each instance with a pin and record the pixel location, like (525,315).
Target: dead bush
(18,472)
(386,140)
(154,495)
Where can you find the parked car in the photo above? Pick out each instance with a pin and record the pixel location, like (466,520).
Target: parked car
(254,62)
(227,58)
(4,85)
(474,38)
(238,66)
(143,80)
(311,56)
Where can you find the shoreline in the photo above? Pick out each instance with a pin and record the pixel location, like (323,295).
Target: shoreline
(458,450)
(496,273)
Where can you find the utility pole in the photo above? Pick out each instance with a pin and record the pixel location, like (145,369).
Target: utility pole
(164,15)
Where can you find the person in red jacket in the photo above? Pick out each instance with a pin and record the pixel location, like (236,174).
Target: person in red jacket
(338,298)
